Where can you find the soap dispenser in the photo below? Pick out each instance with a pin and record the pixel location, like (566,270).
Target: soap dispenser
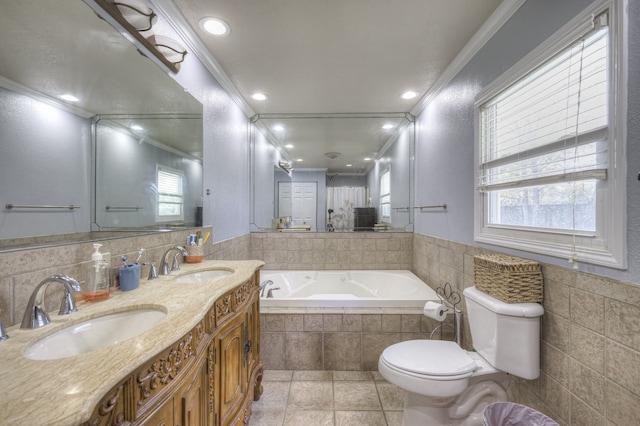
(98,280)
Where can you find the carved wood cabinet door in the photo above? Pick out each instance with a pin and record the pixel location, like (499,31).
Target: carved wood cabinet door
(231,377)
(191,400)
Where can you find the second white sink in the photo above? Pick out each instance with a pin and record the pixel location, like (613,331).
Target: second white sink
(203,276)
(95,333)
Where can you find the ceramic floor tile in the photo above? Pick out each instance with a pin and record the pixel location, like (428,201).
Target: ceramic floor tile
(351,396)
(312,375)
(394,418)
(266,418)
(391,396)
(378,377)
(364,418)
(315,418)
(277,375)
(352,375)
(311,396)
(274,397)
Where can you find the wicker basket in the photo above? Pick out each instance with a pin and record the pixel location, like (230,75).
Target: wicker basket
(507,278)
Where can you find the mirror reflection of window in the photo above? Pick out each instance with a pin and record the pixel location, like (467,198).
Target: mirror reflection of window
(385,196)
(170,194)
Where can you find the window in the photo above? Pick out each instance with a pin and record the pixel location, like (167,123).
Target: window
(170,194)
(385,196)
(546,150)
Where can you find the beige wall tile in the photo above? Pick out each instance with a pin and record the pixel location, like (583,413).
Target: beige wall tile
(303,351)
(622,407)
(623,323)
(374,344)
(342,351)
(587,310)
(555,330)
(589,385)
(587,347)
(583,415)
(623,367)
(556,364)
(391,323)
(557,399)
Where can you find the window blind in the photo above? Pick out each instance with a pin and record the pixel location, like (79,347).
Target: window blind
(552,124)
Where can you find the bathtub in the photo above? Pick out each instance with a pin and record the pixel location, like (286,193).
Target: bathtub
(345,289)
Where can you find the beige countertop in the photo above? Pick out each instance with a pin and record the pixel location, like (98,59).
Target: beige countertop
(65,391)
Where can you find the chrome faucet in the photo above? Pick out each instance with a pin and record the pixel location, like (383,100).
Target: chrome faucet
(270,292)
(164,266)
(3,333)
(35,316)
(263,286)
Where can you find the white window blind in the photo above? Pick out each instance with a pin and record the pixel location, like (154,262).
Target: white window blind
(552,124)
(170,194)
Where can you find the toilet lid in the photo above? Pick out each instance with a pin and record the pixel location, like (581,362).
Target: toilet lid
(430,357)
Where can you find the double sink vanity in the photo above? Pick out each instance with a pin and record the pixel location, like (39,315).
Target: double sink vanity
(182,349)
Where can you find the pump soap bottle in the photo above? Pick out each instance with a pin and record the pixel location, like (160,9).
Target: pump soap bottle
(98,282)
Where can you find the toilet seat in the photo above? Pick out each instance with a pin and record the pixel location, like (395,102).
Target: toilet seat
(437,359)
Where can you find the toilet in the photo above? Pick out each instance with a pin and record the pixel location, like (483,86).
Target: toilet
(446,385)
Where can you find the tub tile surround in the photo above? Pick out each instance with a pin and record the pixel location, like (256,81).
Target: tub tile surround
(22,270)
(333,250)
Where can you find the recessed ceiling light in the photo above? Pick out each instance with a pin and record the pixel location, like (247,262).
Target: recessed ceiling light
(288,146)
(367,159)
(409,95)
(215,26)
(69,98)
(137,127)
(349,165)
(259,96)
(278,127)
(299,160)
(388,126)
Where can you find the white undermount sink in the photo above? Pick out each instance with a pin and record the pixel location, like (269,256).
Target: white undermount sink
(95,333)
(203,276)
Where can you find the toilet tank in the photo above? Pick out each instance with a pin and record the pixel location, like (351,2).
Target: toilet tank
(507,335)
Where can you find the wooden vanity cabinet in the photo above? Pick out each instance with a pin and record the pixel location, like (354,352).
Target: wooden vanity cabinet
(209,377)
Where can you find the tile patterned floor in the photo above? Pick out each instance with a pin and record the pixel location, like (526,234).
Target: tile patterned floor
(331,398)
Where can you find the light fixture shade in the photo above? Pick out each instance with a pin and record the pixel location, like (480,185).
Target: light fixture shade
(170,49)
(137,13)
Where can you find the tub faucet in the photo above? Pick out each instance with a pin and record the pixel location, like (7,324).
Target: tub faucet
(270,292)
(35,316)
(164,266)
(263,286)
(3,333)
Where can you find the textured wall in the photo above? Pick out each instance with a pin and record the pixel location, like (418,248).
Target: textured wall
(445,130)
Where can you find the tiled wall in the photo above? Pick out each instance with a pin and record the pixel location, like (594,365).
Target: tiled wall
(335,341)
(590,338)
(333,250)
(22,270)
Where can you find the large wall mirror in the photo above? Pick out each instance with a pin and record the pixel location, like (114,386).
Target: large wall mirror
(332,173)
(139,117)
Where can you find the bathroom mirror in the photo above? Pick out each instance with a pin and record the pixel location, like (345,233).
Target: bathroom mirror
(338,162)
(47,154)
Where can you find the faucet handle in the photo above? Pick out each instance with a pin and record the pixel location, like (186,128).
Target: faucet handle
(3,333)
(153,272)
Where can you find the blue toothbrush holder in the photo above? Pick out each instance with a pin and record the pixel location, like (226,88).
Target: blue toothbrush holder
(129,277)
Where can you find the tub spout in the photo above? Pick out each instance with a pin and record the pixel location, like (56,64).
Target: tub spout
(270,292)
(263,286)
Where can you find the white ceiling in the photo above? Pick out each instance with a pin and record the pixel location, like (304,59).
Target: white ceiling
(319,57)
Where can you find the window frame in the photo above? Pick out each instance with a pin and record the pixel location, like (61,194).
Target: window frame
(607,247)
(386,172)
(168,218)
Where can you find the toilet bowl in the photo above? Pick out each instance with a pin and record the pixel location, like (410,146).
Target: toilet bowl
(448,386)
(445,385)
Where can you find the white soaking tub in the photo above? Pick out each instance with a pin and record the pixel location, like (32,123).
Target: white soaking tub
(345,289)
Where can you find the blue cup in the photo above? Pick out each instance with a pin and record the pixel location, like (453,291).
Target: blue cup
(129,277)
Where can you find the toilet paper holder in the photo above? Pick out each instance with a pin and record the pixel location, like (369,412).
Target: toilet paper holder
(447,294)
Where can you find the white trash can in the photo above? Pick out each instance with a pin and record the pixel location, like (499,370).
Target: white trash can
(512,414)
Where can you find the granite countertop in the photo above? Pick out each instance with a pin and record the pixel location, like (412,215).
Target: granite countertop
(65,391)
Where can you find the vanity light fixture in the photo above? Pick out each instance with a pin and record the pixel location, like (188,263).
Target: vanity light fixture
(278,127)
(409,95)
(288,146)
(137,13)
(367,159)
(259,96)
(388,126)
(215,26)
(136,127)
(173,51)
(349,165)
(69,98)
(299,160)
